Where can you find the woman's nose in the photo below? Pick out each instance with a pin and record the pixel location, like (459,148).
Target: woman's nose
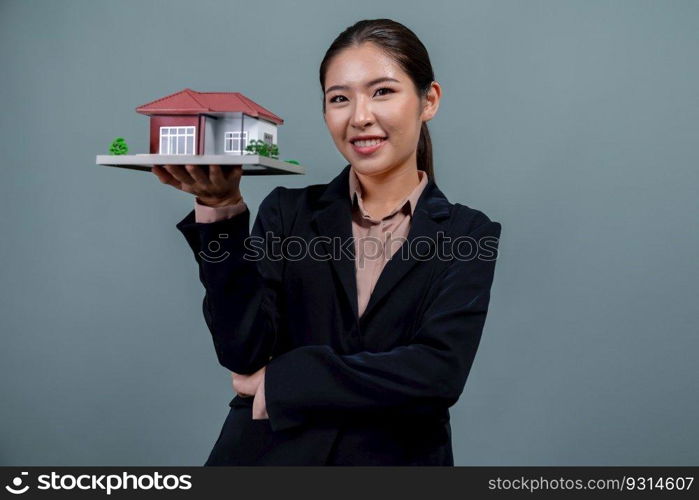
(362,114)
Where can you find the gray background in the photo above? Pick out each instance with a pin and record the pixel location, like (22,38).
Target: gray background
(574,124)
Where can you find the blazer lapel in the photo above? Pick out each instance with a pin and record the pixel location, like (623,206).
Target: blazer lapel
(419,246)
(334,220)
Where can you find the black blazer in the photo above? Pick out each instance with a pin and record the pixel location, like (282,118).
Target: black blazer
(341,389)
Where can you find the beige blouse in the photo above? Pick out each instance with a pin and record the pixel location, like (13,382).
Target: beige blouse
(375,240)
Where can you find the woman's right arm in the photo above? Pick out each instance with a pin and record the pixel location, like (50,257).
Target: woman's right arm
(241,279)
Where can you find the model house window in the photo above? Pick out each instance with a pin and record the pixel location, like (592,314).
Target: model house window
(268,139)
(232,142)
(177,141)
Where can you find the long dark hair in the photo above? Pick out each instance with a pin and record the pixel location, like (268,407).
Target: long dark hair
(409,53)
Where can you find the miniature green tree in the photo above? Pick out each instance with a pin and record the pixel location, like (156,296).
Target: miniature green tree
(254,147)
(118,147)
(262,148)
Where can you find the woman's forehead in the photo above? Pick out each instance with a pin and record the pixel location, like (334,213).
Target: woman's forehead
(358,66)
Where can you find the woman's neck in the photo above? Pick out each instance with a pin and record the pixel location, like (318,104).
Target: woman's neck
(381,192)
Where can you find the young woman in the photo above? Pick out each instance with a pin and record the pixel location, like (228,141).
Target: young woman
(351,314)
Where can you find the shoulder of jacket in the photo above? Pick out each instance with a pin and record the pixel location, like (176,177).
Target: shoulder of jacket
(289,202)
(466,218)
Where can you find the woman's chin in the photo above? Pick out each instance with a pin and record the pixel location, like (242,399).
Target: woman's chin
(372,168)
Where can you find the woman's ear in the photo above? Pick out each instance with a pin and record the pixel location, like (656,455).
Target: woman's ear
(431,102)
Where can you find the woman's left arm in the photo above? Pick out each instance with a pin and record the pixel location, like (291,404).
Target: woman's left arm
(426,374)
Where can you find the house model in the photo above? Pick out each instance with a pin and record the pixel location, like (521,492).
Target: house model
(190,122)
(190,127)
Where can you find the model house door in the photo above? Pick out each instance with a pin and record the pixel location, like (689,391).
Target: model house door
(177,141)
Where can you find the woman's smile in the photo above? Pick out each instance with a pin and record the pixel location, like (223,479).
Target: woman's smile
(368,147)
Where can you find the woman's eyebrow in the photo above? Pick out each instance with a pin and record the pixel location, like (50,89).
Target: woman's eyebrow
(368,84)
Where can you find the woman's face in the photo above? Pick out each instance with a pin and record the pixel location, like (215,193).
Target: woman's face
(356,104)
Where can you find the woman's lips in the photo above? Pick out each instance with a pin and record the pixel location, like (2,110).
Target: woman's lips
(367,150)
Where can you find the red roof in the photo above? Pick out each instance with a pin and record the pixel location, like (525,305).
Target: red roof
(191,102)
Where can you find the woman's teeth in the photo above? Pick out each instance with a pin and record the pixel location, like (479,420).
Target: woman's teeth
(364,144)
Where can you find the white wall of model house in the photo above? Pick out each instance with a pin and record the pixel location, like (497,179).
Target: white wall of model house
(217,142)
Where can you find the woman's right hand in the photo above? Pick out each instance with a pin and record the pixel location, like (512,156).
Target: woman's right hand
(217,189)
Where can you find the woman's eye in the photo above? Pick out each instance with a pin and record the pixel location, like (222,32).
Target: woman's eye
(334,99)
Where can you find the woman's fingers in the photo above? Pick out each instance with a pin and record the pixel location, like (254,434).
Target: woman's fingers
(216,175)
(236,172)
(196,172)
(180,173)
(165,177)
(160,173)
(243,384)
(215,187)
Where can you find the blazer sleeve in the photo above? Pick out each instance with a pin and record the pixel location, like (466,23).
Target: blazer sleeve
(427,374)
(242,282)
